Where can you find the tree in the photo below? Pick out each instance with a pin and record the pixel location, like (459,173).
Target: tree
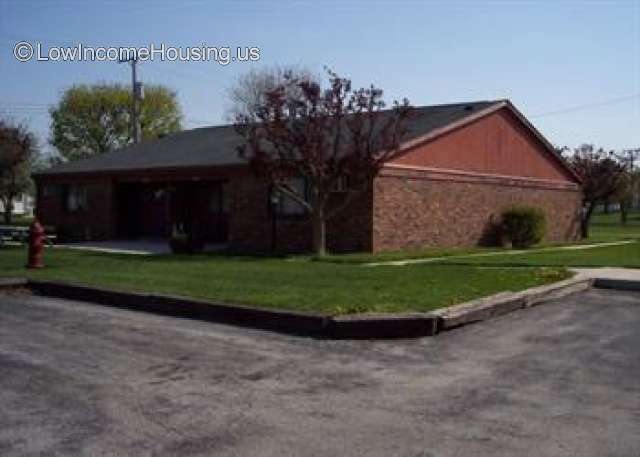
(250,89)
(323,136)
(17,150)
(624,195)
(602,178)
(91,120)
(630,183)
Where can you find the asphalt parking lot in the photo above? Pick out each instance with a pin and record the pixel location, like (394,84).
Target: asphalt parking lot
(560,379)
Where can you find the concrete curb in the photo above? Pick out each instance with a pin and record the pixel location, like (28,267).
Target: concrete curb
(189,308)
(13,284)
(506,302)
(370,326)
(356,326)
(290,322)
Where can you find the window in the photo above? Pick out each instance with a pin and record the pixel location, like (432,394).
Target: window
(76,198)
(219,200)
(226,200)
(51,190)
(215,201)
(347,183)
(341,184)
(286,205)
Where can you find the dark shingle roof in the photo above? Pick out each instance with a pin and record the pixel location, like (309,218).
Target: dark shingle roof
(217,146)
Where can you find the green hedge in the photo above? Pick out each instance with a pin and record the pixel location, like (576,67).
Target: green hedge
(523,226)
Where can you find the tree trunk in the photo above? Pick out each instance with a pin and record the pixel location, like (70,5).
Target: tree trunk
(623,212)
(606,207)
(8,210)
(586,219)
(319,232)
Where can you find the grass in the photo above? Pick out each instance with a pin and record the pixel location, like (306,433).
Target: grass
(626,255)
(338,284)
(280,283)
(607,227)
(390,256)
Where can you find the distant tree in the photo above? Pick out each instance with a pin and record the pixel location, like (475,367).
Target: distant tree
(45,160)
(323,137)
(630,185)
(625,193)
(602,178)
(17,150)
(91,120)
(249,90)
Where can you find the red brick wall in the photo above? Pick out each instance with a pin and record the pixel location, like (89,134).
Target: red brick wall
(96,223)
(405,209)
(250,224)
(413,208)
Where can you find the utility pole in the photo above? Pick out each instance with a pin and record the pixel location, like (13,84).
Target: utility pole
(136,92)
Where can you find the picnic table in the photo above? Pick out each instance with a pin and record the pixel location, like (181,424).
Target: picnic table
(20,234)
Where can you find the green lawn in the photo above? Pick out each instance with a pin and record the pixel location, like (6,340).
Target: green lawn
(607,227)
(341,284)
(390,256)
(627,255)
(289,284)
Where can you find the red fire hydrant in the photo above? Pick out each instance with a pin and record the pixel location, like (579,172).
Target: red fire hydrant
(36,245)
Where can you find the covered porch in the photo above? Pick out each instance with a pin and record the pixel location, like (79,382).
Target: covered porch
(141,246)
(152,210)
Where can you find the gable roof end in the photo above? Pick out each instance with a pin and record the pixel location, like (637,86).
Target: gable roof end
(486,111)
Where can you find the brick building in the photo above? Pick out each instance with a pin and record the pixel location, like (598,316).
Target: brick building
(459,167)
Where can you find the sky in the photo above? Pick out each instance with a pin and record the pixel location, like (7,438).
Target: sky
(572,67)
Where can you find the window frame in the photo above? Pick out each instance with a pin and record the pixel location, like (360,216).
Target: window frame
(281,210)
(80,195)
(218,194)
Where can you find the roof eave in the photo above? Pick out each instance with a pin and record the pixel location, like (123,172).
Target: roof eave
(90,174)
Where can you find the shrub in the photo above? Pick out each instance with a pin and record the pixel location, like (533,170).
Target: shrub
(182,242)
(524,226)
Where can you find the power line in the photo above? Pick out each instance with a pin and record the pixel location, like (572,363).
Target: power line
(18,108)
(587,106)
(23,110)
(24,104)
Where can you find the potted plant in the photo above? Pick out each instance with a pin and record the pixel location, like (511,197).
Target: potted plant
(179,242)
(184,241)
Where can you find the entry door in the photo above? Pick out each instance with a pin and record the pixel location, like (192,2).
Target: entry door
(218,213)
(158,225)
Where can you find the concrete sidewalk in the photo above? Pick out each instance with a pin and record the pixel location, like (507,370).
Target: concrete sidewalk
(578,247)
(623,274)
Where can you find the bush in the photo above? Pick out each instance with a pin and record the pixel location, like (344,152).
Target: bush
(523,226)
